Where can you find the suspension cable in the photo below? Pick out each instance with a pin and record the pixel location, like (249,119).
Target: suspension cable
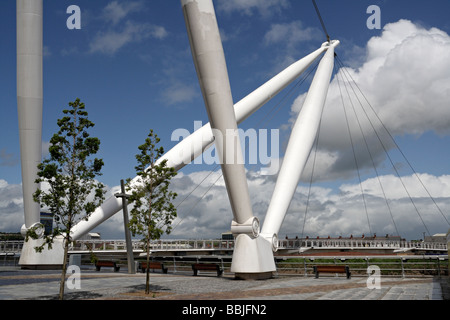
(321,20)
(369,152)
(352,82)
(398,147)
(355,158)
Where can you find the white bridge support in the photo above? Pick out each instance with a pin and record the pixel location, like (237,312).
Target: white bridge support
(253,253)
(299,146)
(30,100)
(29,109)
(192,146)
(251,258)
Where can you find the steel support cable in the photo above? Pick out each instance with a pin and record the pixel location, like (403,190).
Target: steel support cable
(198,201)
(386,152)
(311,178)
(321,20)
(279,105)
(390,159)
(196,187)
(401,152)
(370,153)
(355,158)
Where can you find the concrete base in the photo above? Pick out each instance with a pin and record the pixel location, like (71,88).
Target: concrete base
(254,276)
(47,259)
(252,258)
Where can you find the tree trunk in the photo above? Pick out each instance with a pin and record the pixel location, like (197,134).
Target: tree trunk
(64,270)
(147,271)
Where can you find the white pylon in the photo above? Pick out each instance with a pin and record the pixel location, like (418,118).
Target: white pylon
(30,100)
(300,144)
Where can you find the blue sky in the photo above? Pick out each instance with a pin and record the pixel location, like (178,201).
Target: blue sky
(131,65)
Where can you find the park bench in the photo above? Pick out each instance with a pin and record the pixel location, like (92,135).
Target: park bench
(332,269)
(103,263)
(207,267)
(153,265)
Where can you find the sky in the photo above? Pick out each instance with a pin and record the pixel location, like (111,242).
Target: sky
(131,64)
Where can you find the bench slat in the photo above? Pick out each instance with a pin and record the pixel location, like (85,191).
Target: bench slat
(103,263)
(332,269)
(153,265)
(207,266)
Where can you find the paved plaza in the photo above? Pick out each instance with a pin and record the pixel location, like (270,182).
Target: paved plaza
(17,284)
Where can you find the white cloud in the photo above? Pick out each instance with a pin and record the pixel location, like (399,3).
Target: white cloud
(288,40)
(289,33)
(333,213)
(8,159)
(248,7)
(178,93)
(114,12)
(206,212)
(405,78)
(114,35)
(11,207)
(110,41)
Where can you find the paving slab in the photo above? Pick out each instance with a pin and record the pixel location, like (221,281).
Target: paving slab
(16,284)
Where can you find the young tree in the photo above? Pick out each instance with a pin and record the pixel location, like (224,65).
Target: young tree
(69,189)
(153,212)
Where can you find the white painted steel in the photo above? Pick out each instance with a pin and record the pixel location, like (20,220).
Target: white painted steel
(194,145)
(30,100)
(299,147)
(210,64)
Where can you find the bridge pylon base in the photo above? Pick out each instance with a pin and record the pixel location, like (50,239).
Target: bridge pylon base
(49,259)
(252,258)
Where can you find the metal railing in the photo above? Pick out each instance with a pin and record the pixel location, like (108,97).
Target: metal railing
(157,245)
(215,244)
(389,266)
(10,252)
(11,246)
(359,243)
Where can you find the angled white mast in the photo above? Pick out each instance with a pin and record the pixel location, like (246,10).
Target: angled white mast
(300,144)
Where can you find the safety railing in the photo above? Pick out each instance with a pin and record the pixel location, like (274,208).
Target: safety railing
(217,244)
(389,266)
(359,243)
(157,245)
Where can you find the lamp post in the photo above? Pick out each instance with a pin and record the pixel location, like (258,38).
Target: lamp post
(130,258)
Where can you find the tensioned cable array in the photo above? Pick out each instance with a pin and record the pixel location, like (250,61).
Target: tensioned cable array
(352,83)
(368,150)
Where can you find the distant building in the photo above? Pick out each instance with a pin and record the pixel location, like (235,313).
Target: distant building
(91,236)
(351,237)
(438,238)
(227,236)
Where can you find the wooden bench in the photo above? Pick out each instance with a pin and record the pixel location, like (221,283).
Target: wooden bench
(332,269)
(207,267)
(153,265)
(103,263)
